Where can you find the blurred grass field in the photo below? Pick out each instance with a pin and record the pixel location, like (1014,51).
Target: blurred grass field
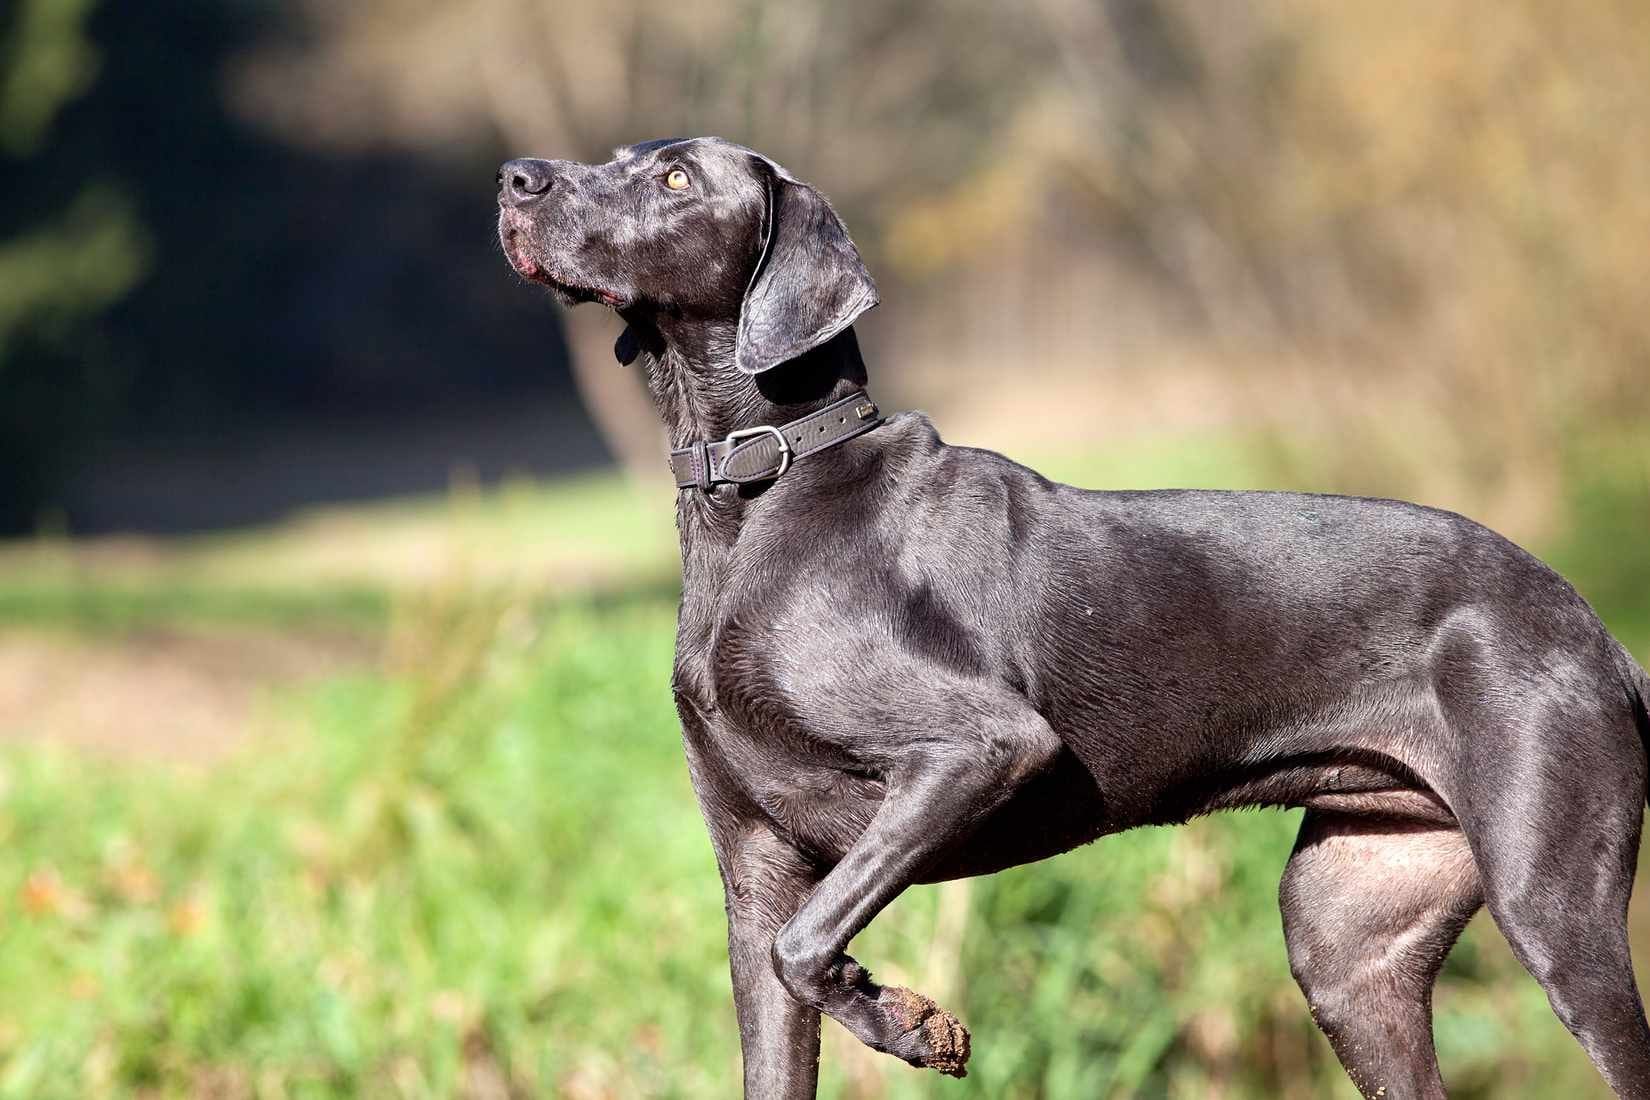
(456,854)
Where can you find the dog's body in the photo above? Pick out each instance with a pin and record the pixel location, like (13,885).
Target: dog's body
(903,661)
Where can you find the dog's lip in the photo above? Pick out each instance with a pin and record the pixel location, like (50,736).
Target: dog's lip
(578,292)
(529,268)
(524,264)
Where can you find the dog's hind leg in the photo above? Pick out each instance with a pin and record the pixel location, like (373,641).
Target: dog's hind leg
(1370,908)
(986,744)
(1558,856)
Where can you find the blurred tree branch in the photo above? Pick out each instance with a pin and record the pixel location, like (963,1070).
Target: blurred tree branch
(1412,204)
(45,62)
(575,80)
(74,259)
(88,255)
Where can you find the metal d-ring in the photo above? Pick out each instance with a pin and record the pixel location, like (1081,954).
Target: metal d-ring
(747,433)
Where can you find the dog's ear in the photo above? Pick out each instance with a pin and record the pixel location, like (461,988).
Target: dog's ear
(809,283)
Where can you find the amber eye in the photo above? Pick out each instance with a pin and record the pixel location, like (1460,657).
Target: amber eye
(677,180)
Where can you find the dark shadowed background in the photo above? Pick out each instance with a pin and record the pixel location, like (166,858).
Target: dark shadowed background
(329,546)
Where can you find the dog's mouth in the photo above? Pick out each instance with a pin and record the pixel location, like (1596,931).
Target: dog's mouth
(528,267)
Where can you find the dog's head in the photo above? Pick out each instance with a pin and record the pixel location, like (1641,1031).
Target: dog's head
(697,228)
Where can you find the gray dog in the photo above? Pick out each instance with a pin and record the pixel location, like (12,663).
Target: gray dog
(899,661)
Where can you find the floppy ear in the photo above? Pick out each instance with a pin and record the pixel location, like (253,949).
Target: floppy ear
(810,283)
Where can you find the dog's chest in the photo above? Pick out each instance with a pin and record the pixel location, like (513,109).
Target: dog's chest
(754,766)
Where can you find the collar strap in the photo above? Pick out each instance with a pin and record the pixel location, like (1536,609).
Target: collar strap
(765,452)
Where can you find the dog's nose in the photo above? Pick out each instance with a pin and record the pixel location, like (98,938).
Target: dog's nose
(524,180)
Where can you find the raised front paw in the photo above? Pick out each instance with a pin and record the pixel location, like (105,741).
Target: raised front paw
(924,1033)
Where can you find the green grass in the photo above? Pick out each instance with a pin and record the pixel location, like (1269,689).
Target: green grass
(347,566)
(124,605)
(438,878)
(479,864)
(491,864)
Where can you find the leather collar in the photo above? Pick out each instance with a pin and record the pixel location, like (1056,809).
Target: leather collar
(765,452)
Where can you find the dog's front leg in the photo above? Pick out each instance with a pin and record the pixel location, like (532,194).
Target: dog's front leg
(940,788)
(766,881)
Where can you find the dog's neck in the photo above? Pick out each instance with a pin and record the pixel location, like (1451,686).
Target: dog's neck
(701,395)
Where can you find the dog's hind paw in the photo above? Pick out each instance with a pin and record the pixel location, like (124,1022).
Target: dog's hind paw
(930,1036)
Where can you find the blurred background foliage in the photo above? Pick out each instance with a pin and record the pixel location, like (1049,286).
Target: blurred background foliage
(336,751)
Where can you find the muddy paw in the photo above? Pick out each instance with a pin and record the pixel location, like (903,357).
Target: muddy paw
(932,1037)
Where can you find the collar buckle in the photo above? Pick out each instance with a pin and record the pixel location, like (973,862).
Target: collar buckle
(785,451)
(730,460)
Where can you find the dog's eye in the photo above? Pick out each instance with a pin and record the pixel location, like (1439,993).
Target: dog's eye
(677,180)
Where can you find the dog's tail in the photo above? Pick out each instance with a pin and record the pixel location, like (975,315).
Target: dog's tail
(1638,685)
